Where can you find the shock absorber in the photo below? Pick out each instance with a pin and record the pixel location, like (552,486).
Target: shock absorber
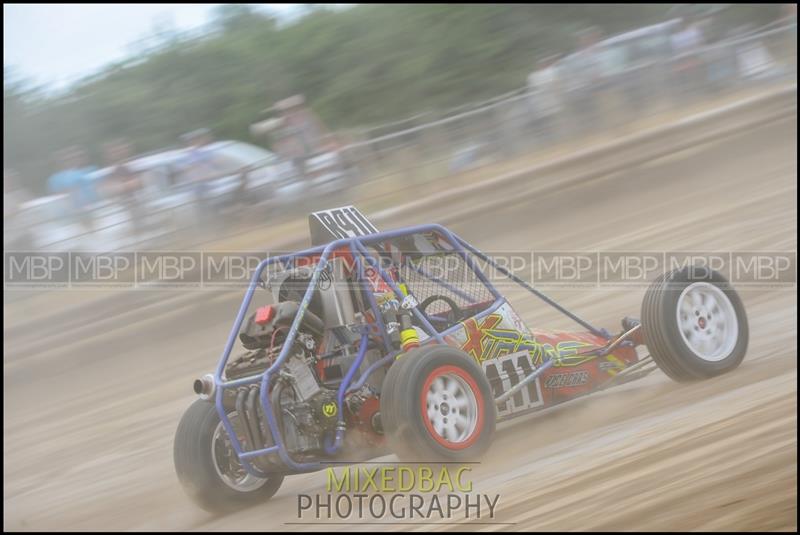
(391,321)
(408,334)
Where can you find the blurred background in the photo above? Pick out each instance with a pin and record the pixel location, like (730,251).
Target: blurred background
(253,115)
(218,128)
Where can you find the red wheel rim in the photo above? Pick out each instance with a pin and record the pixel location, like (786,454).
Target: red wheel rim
(451,404)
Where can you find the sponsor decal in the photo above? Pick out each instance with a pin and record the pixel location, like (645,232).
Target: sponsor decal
(566,380)
(329,409)
(489,338)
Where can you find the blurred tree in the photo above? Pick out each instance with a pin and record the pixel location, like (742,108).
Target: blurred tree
(357,67)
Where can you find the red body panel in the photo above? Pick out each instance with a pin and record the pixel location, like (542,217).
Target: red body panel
(508,352)
(579,375)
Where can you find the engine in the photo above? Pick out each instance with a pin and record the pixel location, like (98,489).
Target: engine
(303,392)
(264,334)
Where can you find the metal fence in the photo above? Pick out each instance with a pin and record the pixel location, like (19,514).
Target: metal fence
(424,150)
(513,125)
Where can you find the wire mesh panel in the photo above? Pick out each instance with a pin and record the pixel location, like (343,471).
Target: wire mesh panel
(445,275)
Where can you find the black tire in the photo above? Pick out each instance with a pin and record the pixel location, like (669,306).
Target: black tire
(409,432)
(390,381)
(196,467)
(668,330)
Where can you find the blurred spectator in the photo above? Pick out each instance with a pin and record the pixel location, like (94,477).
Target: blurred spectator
(582,82)
(544,85)
(198,168)
(74,179)
(687,65)
(608,87)
(720,60)
(688,37)
(639,78)
(754,59)
(300,133)
(123,183)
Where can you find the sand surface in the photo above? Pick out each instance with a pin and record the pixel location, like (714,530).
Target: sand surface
(95,382)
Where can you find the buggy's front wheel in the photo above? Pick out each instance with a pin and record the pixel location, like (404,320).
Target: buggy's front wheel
(694,323)
(437,405)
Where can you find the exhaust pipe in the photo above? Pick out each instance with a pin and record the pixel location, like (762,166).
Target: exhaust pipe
(204,387)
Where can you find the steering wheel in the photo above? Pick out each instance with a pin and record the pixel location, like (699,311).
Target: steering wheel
(454,315)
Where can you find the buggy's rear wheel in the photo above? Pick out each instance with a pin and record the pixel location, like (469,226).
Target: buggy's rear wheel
(437,405)
(207,465)
(694,324)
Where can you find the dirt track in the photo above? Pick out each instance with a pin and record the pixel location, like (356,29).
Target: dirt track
(93,395)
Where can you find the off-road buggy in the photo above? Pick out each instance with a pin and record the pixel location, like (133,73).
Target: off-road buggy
(375,342)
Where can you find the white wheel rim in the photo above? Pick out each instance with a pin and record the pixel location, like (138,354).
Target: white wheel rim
(452,408)
(234,475)
(707,321)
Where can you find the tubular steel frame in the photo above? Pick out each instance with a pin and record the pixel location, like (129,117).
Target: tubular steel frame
(357,246)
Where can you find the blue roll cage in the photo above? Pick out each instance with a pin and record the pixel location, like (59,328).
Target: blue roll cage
(357,246)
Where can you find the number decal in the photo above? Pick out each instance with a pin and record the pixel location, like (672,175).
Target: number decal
(505,372)
(337,223)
